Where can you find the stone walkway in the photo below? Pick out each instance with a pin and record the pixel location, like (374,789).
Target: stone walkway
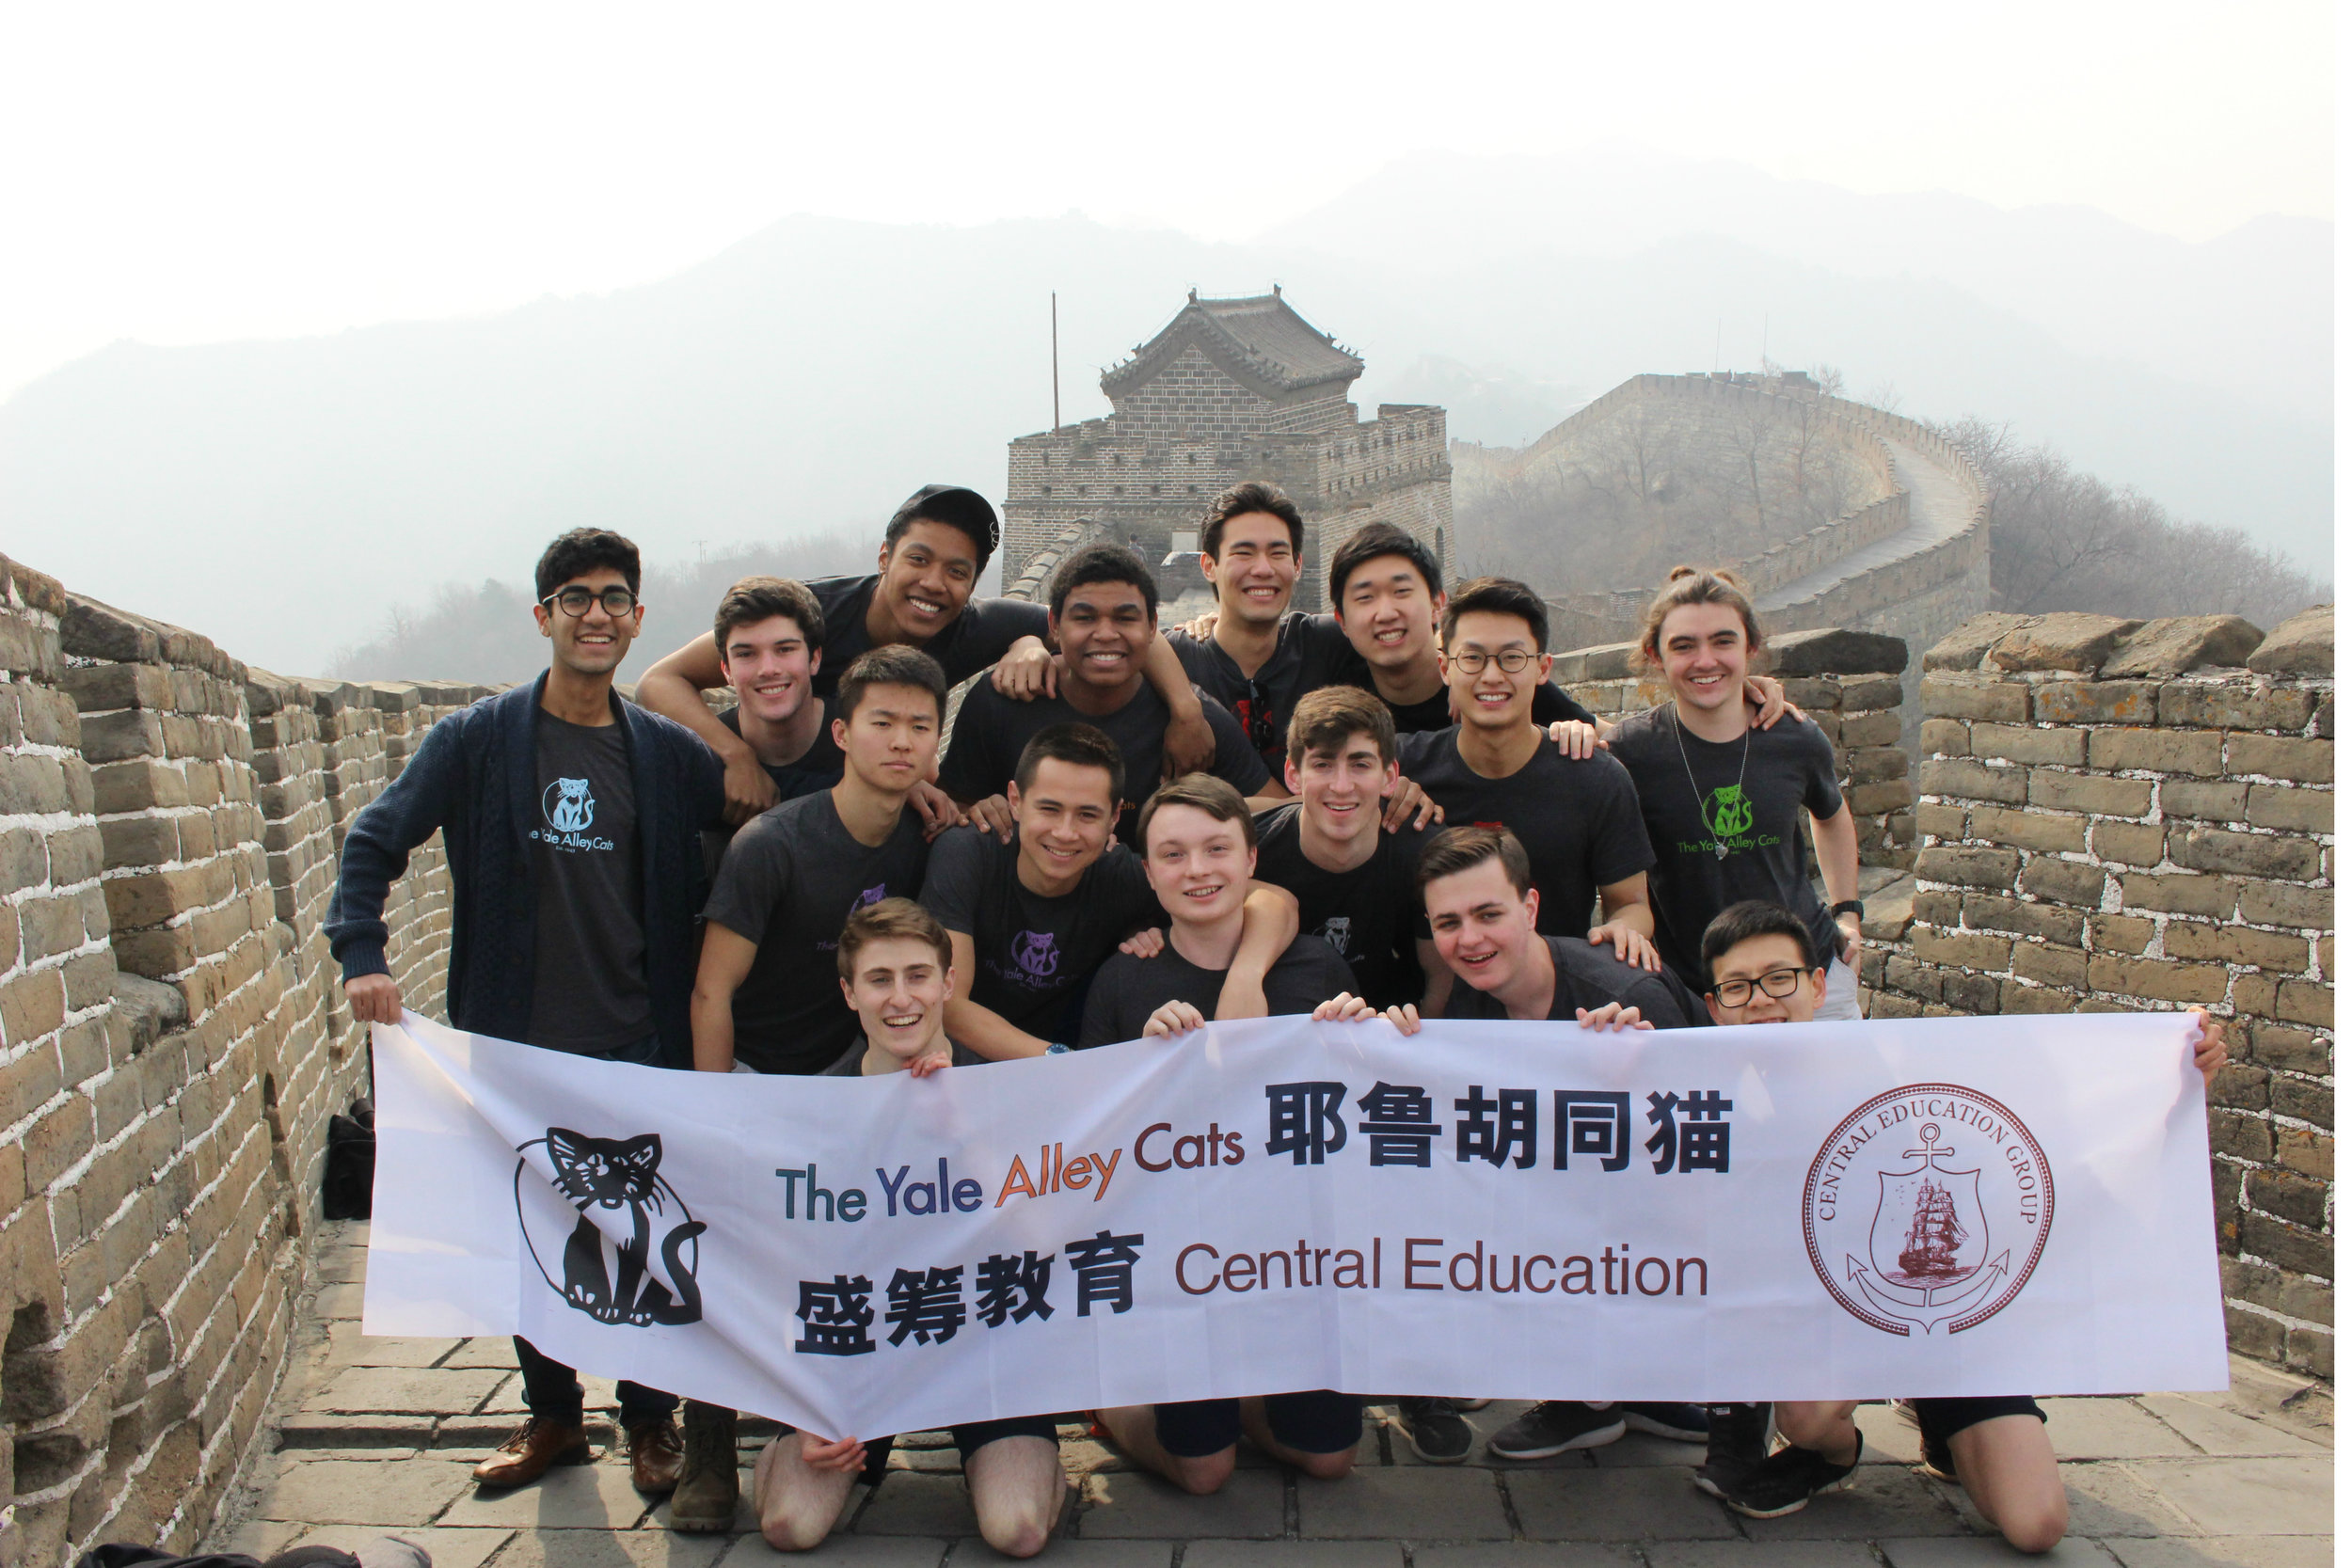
(379,1434)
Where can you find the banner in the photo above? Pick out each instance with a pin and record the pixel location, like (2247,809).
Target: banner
(1832,1210)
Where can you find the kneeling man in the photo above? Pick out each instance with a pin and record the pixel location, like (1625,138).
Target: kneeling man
(1762,968)
(896,971)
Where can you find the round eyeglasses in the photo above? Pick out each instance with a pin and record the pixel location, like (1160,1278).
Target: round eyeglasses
(1774,983)
(573,602)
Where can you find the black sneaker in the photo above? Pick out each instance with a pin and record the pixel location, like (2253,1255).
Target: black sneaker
(1436,1430)
(1786,1480)
(1555,1426)
(1736,1436)
(1683,1423)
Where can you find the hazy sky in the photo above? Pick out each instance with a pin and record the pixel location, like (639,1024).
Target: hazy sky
(185,173)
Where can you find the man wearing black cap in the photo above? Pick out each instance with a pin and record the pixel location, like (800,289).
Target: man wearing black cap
(936,545)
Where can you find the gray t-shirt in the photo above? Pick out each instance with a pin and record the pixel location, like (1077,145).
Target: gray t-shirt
(1587,975)
(852,1062)
(1032,953)
(588,975)
(791,878)
(1754,797)
(1128,991)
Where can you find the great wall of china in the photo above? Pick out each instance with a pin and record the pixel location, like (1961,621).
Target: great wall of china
(2104,814)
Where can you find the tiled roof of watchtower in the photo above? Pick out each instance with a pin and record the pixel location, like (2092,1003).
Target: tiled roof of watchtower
(1258,338)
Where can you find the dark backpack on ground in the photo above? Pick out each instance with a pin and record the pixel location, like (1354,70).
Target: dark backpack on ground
(347,1191)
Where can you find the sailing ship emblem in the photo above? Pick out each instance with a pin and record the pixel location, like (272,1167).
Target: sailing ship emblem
(1932,1256)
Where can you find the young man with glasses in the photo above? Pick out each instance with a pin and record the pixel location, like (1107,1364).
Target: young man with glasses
(933,550)
(1476,888)
(572,824)
(1578,818)
(1763,967)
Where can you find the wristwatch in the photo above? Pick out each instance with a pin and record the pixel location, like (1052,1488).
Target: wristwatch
(1844,904)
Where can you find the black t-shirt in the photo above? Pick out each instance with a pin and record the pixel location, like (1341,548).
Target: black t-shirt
(1128,991)
(1369,915)
(1588,975)
(1310,652)
(1580,820)
(1759,791)
(588,974)
(1436,712)
(991,728)
(975,640)
(1031,952)
(819,768)
(791,878)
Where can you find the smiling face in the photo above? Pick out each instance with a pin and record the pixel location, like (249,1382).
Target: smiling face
(1389,613)
(1769,958)
(1493,698)
(1199,864)
(1703,648)
(769,664)
(593,643)
(927,578)
(892,738)
(1066,815)
(1255,569)
(899,990)
(1340,792)
(1104,631)
(1481,923)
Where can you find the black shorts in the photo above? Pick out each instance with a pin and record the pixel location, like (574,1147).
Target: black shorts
(970,1436)
(1316,1421)
(1940,1419)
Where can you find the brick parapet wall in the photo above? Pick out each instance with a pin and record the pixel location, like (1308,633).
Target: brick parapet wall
(1849,685)
(2106,828)
(171,1044)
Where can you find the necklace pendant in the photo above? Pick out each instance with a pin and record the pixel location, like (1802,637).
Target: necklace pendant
(1721,851)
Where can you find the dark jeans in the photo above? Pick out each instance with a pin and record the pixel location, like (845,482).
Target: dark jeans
(551,1390)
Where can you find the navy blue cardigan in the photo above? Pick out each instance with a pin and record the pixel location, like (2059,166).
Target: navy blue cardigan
(475,780)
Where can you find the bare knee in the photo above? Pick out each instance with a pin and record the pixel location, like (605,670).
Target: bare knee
(1328,1466)
(1018,1532)
(795,1535)
(2037,1529)
(1204,1476)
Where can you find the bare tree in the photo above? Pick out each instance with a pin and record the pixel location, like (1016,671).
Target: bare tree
(2067,540)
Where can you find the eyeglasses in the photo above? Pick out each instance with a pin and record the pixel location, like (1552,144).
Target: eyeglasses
(1774,983)
(1510,661)
(573,602)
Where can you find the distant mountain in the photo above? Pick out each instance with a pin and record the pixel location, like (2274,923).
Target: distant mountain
(2249,313)
(284,497)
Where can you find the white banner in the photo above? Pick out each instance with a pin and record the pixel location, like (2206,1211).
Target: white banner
(1939,1207)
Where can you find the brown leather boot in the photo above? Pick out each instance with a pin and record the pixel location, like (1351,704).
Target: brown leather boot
(654,1454)
(524,1457)
(707,1484)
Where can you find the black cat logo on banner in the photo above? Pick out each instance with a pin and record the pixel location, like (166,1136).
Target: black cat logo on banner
(614,1282)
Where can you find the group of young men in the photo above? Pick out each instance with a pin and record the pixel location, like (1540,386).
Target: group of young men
(1385,811)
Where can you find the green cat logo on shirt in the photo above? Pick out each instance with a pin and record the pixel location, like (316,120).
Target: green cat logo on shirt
(1730,812)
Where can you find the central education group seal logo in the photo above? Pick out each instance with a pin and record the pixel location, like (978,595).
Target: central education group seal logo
(1926,1209)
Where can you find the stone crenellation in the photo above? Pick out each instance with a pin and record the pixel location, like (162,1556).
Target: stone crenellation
(1230,389)
(173,1042)
(2125,814)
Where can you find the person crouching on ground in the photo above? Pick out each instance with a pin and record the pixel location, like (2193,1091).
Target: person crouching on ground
(1763,967)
